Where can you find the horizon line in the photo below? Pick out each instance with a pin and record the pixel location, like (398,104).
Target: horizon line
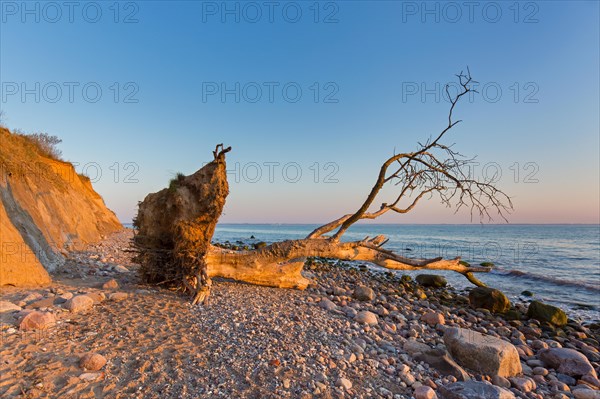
(426,224)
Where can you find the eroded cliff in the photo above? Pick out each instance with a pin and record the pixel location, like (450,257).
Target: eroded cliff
(46,208)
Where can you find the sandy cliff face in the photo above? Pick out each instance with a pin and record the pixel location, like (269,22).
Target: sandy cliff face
(45,208)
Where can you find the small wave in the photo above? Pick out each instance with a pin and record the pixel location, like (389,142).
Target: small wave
(547,279)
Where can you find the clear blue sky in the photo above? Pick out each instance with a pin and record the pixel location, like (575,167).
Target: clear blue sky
(361,66)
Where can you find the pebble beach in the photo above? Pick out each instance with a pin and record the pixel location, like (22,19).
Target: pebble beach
(354,333)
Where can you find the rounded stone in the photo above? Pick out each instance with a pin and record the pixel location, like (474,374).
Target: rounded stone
(92,361)
(366,317)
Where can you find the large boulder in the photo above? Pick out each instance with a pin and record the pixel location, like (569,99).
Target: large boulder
(548,313)
(567,361)
(473,390)
(489,298)
(482,353)
(431,280)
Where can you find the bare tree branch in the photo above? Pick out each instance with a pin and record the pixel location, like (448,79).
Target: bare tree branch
(434,169)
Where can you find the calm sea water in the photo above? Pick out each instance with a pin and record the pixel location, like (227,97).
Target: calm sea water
(558,263)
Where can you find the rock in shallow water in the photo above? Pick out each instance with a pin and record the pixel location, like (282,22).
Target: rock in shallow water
(548,313)
(431,280)
(483,353)
(489,298)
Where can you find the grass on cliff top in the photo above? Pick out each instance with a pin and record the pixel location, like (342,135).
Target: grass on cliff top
(28,145)
(31,156)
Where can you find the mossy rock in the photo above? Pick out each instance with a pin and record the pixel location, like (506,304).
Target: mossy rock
(464,263)
(489,298)
(487,264)
(259,245)
(431,280)
(527,293)
(544,312)
(406,279)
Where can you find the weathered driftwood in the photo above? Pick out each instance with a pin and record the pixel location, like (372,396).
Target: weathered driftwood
(176,225)
(280,264)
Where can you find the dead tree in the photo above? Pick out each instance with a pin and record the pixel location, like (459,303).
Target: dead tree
(175,226)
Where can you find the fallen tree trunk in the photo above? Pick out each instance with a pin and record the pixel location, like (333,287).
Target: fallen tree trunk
(175,226)
(280,264)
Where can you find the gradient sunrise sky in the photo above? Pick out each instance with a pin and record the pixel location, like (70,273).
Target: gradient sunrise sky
(312,96)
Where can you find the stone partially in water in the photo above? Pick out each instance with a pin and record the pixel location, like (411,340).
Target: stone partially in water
(489,298)
(544,312)
(431,280)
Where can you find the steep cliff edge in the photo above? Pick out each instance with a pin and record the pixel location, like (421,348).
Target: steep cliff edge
(45,209)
